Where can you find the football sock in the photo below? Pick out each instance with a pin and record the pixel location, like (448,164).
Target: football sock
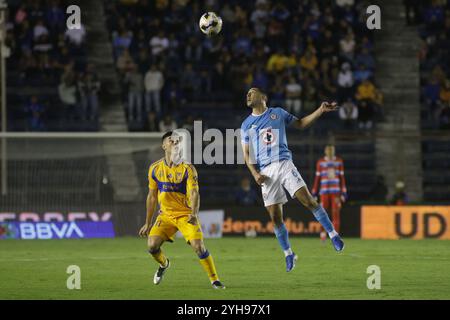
(159,257)
(283,237)
(207,263)
(288,252)
(321,215)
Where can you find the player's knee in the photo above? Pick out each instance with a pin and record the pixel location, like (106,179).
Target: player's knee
(153,248)
(310,203)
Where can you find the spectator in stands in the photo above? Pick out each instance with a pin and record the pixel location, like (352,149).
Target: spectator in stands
(308,62)
(348,113)
(35,110)
(167,124)
(362,73)
(135,82)
(88,88)
(400,197)
(345,82)
(159,43)
(277,62)
(366,59)
(366,91)
(347,46)
(246,195)
(154,82)
(293,96)
(40,30)
(122,41)
(444,117)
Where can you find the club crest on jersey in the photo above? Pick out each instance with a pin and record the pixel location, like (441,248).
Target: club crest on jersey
(169,176)
(268,136)
(273,116)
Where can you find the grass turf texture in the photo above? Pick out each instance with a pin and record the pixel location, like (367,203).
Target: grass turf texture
(250,268)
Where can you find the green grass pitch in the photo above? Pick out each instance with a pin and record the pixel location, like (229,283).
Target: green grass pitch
(250,268)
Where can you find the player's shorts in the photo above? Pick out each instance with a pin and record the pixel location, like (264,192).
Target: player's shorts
(280,175)
(167,226)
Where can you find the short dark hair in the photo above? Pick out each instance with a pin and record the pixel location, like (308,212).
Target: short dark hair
(167,134)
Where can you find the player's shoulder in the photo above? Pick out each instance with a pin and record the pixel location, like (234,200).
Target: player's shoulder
(190,168)
(247,122)
(156,164)
(278,110)
(339,159)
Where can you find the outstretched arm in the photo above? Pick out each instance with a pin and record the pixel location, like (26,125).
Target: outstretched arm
(307,121)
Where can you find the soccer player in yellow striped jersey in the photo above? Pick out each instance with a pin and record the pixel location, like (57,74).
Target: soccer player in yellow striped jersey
(174,185)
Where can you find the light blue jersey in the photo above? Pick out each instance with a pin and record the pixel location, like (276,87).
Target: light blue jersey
(266,136)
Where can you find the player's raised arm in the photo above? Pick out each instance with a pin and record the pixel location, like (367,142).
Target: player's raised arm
(307,121)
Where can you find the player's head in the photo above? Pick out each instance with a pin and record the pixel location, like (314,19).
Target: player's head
(330,150)
(256,98)
(169,139)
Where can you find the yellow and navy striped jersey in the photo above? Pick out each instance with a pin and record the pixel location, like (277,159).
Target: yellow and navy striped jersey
(174,185)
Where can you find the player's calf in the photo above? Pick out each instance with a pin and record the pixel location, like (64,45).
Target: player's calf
(305,197)
(207,262)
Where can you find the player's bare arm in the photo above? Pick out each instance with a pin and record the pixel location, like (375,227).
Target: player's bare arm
(307,121)
(195,206)
(259,178)
(152,199)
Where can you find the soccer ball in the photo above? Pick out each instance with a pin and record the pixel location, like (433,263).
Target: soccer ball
(210,23)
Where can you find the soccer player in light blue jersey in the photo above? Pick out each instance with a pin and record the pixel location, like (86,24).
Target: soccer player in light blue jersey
(269,160)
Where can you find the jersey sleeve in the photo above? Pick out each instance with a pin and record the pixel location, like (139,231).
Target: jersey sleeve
(286,116)
(245,139)
(152,185)
(192,178)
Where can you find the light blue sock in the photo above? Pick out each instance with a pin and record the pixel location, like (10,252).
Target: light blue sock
(282,236)
(321,215)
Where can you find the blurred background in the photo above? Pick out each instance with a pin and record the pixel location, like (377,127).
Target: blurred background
(83,109)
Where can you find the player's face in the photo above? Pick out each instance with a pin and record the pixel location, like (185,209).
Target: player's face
(329,151)
(254,97)
(170,143)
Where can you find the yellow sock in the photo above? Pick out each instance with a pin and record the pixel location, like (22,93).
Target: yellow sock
(160,257)
(208,265)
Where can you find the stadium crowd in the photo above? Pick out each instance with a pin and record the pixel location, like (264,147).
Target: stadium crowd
(300,52)
(50,84)
(434,55)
